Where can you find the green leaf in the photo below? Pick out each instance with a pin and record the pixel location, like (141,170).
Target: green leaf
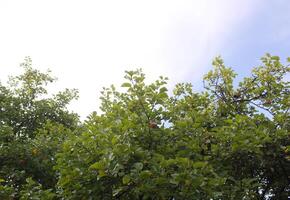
(126,179)
(199,164)
(97,165)
(117,191)
(101,173)
(174,179)
(114,140)
(138,166)
(126,85)
(145,174)
(163,89)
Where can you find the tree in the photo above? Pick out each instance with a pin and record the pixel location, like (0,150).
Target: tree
(227,142)
(32,130)
(224,143)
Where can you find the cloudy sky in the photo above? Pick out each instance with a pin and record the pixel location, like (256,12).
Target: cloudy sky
(88,44)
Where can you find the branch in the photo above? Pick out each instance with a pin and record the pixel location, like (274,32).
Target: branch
(262,108)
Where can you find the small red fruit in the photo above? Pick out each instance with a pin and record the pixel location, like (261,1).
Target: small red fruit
(268,102)
(152,124)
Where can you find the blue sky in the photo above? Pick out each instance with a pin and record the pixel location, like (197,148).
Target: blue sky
(267,31)
(88,44)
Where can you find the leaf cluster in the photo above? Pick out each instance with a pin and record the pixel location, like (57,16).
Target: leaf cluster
(230,141)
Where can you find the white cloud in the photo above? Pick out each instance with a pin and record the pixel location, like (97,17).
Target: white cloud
(89,44)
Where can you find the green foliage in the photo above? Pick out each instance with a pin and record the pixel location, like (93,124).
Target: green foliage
(219,144)
(32,129)
(34,191)
(228,142)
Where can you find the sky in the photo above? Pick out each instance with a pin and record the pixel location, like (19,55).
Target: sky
(89,44)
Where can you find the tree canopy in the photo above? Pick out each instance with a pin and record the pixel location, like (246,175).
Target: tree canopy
(230,141)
